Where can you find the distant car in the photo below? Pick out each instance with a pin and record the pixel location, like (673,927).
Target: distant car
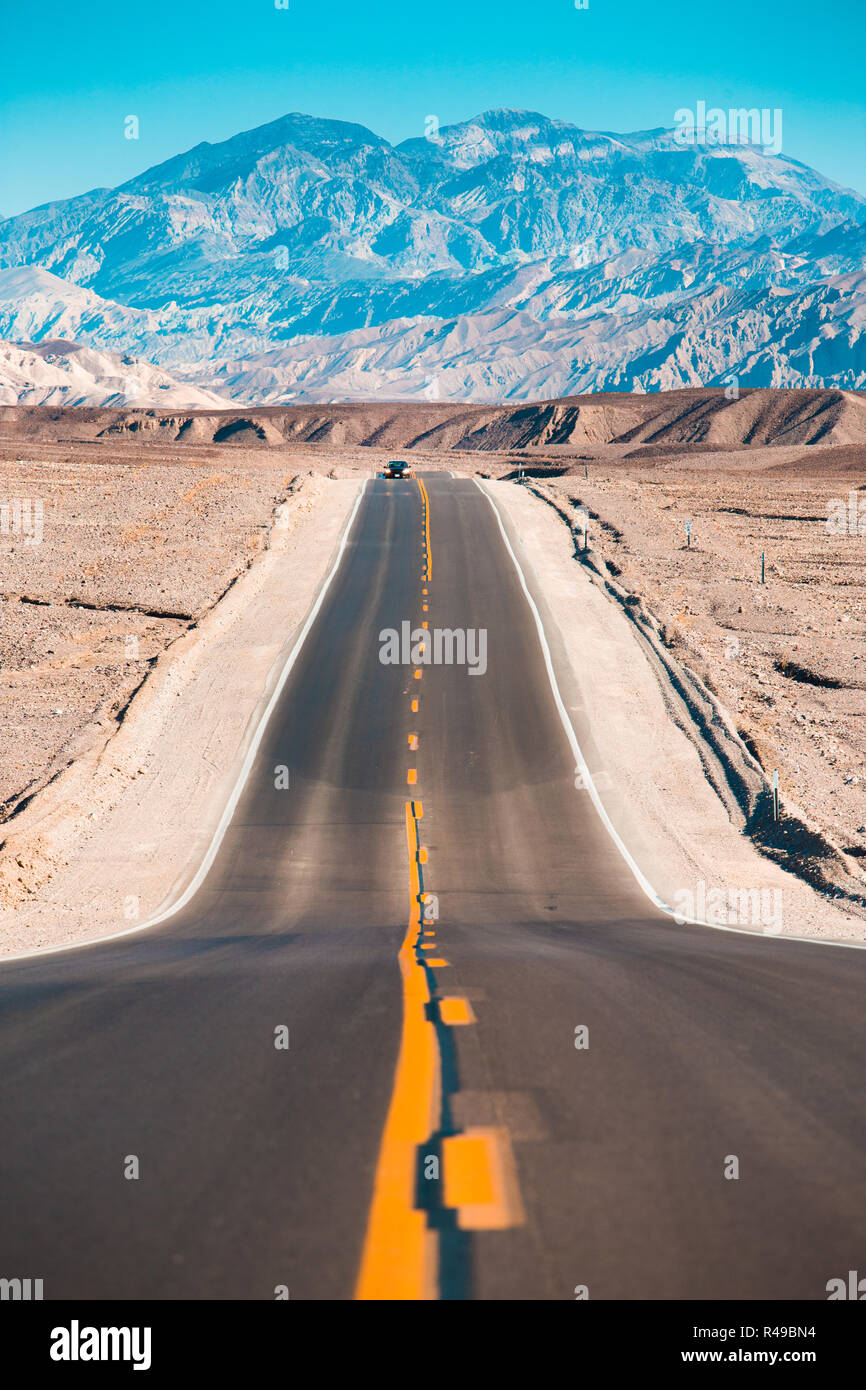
(397,468)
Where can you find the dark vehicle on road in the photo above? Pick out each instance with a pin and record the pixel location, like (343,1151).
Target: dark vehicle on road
(397,468)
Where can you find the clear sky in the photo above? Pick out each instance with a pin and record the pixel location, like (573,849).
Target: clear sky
(194,70)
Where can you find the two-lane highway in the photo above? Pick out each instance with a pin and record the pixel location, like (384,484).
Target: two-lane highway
(432,1129)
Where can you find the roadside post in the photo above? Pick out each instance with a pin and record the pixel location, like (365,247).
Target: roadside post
(581,518)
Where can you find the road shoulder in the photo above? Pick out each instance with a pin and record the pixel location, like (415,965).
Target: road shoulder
(651,776)
(119,835)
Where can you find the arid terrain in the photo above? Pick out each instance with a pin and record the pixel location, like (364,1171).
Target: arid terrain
(147,518)
(130,556)
(785,655)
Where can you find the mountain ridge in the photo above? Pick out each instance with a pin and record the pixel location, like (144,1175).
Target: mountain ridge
(636,426)
(292,258)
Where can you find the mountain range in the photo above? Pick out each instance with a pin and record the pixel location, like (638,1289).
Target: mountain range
(65,374)
(507,257)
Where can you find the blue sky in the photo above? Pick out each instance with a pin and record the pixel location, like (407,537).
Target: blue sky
(196,70)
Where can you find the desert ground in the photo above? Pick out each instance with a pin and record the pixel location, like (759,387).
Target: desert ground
(149,520)
(785,655)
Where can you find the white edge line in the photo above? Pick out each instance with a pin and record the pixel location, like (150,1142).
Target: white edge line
(580,763)
(231,805)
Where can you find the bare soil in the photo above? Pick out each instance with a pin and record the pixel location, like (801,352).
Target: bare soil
(131,555)
(786,657)
(149,518)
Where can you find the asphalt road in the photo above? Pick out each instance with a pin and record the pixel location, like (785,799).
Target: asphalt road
(546,1166)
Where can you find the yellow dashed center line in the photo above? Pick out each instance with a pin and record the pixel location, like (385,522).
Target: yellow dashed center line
(400,1252)
(480,1180)
(425,507)
(400,1255)
(456,1011)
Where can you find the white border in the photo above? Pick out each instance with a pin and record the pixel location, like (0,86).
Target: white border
(638,873)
